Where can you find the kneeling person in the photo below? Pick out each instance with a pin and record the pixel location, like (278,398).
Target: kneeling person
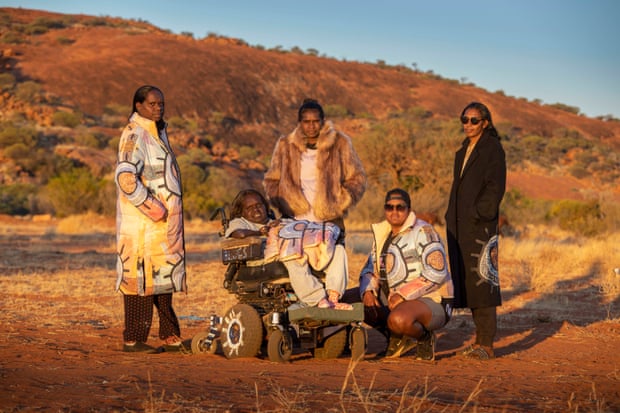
(405,284)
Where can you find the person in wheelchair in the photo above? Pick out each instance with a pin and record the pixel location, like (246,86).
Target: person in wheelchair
(251,216)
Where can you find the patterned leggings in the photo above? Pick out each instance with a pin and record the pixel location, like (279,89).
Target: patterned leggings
(139,316)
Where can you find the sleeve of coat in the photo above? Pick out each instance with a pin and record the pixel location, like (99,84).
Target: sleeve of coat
(271,179)
(354,174)
(492,193)
(127,177)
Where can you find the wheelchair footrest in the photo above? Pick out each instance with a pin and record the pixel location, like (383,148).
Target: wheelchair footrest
(327,314)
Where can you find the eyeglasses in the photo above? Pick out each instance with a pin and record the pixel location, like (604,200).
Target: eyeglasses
(474,121)
(398,207)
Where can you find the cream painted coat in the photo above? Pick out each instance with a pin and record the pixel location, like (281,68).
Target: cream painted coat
(149,217)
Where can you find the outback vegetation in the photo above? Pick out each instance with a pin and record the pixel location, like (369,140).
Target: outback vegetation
(59,130)
(58,158)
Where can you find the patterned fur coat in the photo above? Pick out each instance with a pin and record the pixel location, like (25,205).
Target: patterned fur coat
(341,177)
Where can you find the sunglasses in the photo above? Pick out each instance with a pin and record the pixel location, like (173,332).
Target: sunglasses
(391,207)
(474,121)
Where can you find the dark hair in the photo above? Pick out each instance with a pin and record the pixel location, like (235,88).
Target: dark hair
(140,97)
(310,104)
(398,193)
(485,113)
(236,208)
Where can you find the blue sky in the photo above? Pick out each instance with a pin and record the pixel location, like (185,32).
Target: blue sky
(565,51)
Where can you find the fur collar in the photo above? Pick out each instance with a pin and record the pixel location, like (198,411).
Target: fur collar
(327,137)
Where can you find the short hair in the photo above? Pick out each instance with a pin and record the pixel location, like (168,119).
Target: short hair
(310,104)
(141,94)
(236,208)
(398,193)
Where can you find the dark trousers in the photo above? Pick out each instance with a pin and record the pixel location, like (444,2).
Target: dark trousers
(139,316)
(485,319)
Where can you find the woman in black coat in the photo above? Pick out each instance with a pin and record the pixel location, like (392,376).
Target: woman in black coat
(478,187)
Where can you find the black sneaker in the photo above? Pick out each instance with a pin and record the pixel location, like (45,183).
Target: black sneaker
(426,346)
(397,346)
(139,347)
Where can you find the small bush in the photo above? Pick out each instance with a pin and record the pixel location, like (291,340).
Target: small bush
(565,108)
(88,139)
(15,199)
(11,134)
(29,92)
(35,29)
(578,171)
(64,40)
(116,109)
(7,81)
(74,192)
(247,153)
(12,38)
(582,218)
(68,119)
(336,111)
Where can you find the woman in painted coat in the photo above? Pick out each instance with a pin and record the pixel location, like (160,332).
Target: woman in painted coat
(149,221)
(478,186)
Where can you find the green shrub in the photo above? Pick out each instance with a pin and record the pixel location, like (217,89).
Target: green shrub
(65,40)
(68,119)
(117,109)
(35,29)
(522,210)
(336,111)
(88,139)
(247,153)
(11,134)
(12,38)
(178,122)
(29,92)
(74,192)
(7,81)
(15,199)
(578,171)
(565,108)
(582,218)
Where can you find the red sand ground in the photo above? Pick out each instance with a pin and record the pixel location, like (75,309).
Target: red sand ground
(558,358)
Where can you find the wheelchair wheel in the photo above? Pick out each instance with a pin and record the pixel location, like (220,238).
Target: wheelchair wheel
(333,346)
(358,340)
(279,346)
(200,345)
(242,332)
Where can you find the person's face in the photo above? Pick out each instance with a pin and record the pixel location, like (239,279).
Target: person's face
(311,123)
(254,209)
(153,106)
(396,212)
(473,131)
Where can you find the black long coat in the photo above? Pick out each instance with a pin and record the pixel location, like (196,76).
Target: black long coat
(472,223)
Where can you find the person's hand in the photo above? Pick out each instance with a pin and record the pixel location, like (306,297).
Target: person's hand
(372,307)
(154,209)
(393,300)
(370,300)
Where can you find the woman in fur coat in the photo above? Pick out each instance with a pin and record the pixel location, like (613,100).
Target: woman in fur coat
(316,175)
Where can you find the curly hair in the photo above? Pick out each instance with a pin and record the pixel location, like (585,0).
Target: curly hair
(236,208)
